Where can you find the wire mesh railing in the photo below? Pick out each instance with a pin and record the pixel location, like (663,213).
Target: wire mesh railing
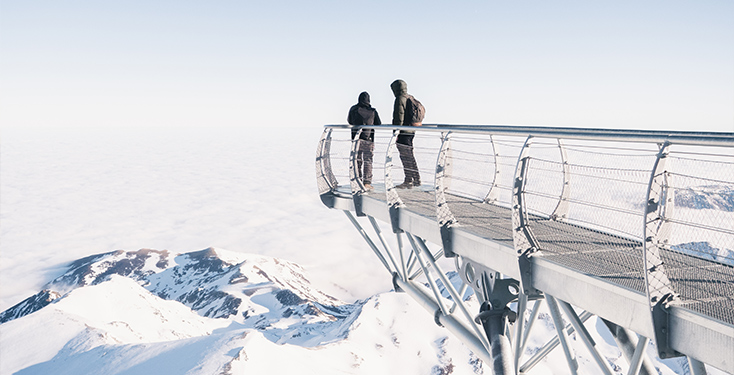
(585,197)
(699,250)
(648,211)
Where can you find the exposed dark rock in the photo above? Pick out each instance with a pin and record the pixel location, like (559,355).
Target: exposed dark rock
(29,305)
(288,298)
(445,365)
(337,311)
(311,310)
(205,261)
(79,269)
(263,274)
(127,267)
(199,299)
(84,271)
(238,278)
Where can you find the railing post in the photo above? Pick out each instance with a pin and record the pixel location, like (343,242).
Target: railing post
(325,179)
(660,291)
(561,211)
(355,182)
(494,192)
(394,203)
(523,238)
(446,219)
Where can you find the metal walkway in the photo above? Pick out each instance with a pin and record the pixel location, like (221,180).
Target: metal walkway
(635,227)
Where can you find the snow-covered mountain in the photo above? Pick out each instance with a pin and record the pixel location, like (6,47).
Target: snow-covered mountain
(219,312)
(211,312)
(717,197)
(711,205)
(704,250)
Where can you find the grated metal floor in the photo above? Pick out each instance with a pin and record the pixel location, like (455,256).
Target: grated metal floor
(705,286)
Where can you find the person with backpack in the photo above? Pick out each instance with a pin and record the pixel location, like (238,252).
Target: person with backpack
(362,113)
(407,111)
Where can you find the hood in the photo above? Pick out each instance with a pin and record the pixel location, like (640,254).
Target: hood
(364,99)
(399,87)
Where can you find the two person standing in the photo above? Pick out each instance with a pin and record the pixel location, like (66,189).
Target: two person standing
(407,111)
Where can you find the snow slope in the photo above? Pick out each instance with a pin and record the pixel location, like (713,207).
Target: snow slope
(213,311)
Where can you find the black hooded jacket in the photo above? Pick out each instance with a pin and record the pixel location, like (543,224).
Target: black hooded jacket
(362,113)
(400,89)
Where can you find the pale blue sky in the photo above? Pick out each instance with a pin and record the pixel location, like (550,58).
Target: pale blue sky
(602,64)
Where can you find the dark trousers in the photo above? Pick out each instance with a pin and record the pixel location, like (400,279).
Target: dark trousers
(405,148)
(364,160)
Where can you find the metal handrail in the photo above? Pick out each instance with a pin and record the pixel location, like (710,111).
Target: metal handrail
(719,139)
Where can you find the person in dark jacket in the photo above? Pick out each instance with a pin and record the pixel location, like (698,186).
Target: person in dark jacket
(405,137)
(362,113)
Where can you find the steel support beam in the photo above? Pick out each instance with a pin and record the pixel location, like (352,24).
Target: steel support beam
(696,367)
(550,345)
(638,358)
(585,337)
(369,241)
(522,303)
(628,343)
(573,365)
(494,322)
(421,249)
(452,324)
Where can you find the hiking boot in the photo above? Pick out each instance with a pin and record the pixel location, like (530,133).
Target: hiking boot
(405,185)
(368,187)
(416,183)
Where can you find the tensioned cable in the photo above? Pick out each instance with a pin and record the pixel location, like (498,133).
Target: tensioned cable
(699,153)
(703,160)
(582,148)
(557,163)
(641,183)
(697,178)
(469,152)
(469,140)
(702,226)
(504,187)
(478,182)
(584,203)
(647,155)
